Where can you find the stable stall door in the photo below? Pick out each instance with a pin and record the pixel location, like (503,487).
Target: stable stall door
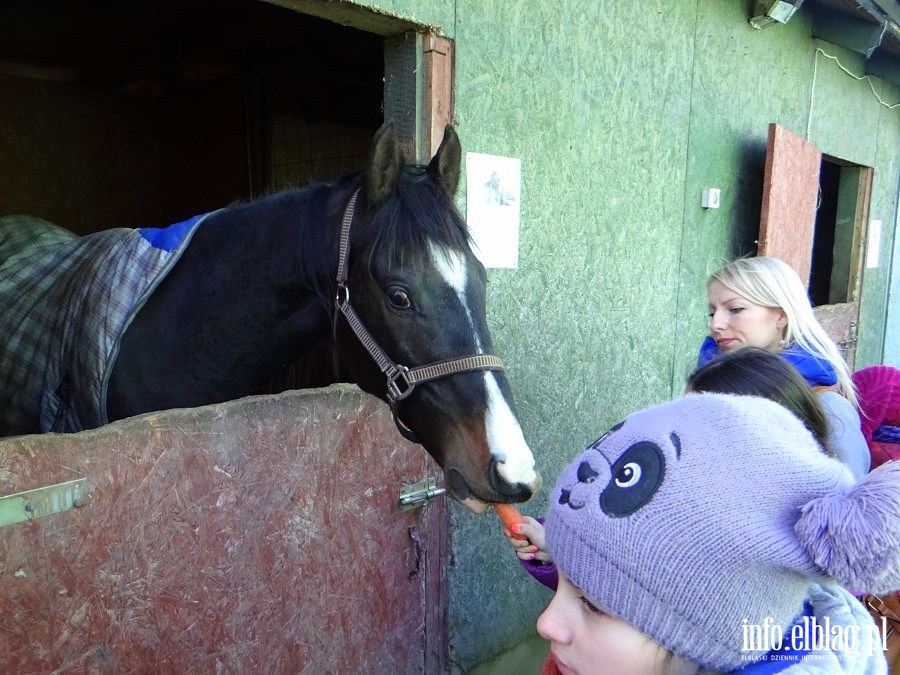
(814,214)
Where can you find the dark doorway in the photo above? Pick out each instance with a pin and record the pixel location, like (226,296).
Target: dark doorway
(835,240)
(823,235)
(163,109)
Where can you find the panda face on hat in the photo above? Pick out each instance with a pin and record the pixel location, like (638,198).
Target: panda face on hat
(623,482)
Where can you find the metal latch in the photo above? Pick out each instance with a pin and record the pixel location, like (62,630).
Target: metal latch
(42,502)
(414,496)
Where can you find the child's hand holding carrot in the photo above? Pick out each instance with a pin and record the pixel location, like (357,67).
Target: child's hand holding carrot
(525,534)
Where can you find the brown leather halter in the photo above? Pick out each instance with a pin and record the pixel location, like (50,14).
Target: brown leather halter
(401,380)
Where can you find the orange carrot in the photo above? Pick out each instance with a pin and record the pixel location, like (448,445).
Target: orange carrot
(509,516)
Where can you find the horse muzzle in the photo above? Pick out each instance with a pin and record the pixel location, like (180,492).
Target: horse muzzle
(518,491)
(477,498)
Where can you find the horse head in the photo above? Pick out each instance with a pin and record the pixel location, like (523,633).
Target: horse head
(419,290)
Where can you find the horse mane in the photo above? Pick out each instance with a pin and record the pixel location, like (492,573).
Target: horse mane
(418,211)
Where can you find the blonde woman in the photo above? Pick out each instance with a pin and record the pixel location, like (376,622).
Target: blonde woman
(761,302)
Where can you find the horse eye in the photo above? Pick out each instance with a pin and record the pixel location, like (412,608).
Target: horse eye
(399,298)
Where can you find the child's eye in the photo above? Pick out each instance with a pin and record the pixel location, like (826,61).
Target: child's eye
(736,310)
(590,606)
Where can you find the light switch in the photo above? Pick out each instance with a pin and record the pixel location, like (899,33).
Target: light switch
(710,199)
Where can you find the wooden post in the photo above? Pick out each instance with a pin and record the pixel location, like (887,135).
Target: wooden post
(437,91)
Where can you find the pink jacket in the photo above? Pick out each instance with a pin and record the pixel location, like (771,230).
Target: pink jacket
(878,389)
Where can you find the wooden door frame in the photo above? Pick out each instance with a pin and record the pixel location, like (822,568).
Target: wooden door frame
(438,87)
(791,187)
(438,84)
(841,320)
(860,226)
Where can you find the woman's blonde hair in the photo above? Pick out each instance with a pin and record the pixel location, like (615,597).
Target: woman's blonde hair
(770,282)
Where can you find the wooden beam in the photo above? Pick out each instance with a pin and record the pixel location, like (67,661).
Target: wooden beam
(437,91)
(884,65)
(371,20)
(844,30)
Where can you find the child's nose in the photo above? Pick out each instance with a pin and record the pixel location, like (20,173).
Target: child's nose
(550,624)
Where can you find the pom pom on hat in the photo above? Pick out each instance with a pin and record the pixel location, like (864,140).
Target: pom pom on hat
(854,536)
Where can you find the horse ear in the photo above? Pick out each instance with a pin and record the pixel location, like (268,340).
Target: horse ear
(445,163)
(385,164)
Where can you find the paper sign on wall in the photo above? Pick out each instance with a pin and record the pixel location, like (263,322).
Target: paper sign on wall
(493,188)
(873,247)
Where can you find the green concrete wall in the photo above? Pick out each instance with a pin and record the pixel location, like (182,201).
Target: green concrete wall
(622,112)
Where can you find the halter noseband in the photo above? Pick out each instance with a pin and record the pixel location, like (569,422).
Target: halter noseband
(401,380)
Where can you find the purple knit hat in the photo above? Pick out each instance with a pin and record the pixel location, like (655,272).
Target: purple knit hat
(694,515)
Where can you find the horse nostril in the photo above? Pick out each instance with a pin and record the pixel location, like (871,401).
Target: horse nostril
(517,491)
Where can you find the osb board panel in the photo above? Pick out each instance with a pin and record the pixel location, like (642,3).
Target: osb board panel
(840,321)
(259,536)
(790,193)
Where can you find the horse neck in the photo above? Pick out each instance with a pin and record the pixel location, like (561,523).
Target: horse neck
(289,239)
(260,273)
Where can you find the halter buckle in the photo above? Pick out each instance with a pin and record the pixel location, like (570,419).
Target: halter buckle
(343,294)
(397,373)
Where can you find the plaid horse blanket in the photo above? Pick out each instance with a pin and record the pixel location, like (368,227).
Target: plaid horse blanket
(65,302)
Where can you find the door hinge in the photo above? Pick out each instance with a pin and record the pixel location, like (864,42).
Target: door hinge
(850,336)
(44,501)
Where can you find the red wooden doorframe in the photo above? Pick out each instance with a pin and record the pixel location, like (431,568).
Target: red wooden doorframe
(791,193)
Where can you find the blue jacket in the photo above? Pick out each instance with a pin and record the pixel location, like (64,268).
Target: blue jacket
(816,371)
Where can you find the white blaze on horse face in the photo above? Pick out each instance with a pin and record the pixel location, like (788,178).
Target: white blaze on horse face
(515,463)
(507,445)
(451,265)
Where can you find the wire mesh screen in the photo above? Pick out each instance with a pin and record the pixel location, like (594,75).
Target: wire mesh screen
(401,81)
(301,152)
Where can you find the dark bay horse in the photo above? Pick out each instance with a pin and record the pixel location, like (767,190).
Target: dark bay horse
(254,290)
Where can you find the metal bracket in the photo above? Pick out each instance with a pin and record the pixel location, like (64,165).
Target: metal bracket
(42,502)
(419,494)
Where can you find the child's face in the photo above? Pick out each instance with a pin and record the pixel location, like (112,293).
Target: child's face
(587,641)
